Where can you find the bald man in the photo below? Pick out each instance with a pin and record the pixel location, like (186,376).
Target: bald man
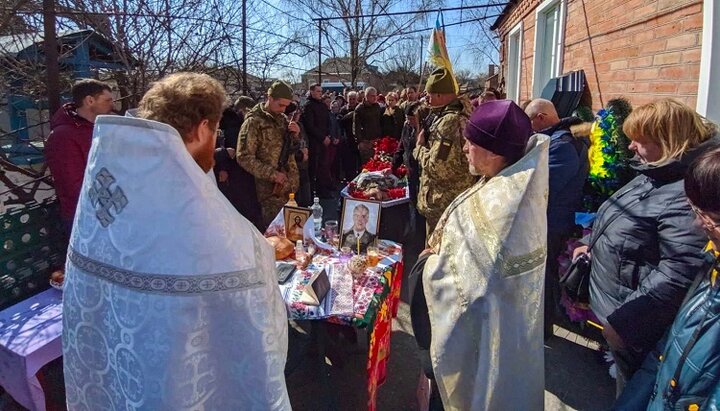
(569,169)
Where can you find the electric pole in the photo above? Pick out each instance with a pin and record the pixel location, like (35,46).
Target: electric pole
(244,47)
(50,47)
(319,52)
(421,62)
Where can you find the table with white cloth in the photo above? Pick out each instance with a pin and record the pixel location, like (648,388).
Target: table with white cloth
(30,337)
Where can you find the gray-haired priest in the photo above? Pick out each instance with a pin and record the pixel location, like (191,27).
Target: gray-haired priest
(483,281)
(171,299)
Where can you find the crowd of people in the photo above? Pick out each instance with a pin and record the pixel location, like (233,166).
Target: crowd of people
(494,189)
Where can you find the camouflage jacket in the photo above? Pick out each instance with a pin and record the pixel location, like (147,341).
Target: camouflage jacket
(259,145)
(443,180)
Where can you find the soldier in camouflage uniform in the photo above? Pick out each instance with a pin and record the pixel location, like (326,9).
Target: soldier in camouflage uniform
(260,145)
(445,172)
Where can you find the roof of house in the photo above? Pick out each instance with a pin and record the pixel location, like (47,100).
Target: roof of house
(338,65)
(509,6)
(15,43)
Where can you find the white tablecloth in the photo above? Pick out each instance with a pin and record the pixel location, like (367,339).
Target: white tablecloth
(30,337)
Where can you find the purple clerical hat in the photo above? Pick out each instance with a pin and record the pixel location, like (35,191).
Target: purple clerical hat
(500,126)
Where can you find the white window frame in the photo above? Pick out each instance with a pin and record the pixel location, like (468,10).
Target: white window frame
(558,43)
(708,102)
(516,31)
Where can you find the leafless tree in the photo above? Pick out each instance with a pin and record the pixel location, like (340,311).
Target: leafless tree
(362,39)
(402,63)
(153,38)
(486,47)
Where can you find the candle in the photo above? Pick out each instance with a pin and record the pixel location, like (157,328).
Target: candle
(358,245)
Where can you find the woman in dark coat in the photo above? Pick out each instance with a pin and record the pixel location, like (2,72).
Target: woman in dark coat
(649,250)
(684,371)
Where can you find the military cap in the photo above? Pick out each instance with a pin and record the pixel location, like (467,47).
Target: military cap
(280,89)
(440,81)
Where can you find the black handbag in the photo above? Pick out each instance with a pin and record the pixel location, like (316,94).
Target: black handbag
(576,280)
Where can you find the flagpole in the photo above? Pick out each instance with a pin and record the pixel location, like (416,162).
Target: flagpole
(421,63)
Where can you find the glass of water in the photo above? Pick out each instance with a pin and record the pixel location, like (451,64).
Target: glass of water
(331,232)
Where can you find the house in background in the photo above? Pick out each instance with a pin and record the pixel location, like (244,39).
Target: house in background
(639,49)
(493,79)
(231,79)
(336,75)
(23,113)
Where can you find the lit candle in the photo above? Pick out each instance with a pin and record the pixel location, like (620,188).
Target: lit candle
(358,241)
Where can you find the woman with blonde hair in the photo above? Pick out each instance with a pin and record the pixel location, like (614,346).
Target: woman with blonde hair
(393,118)
(645,250)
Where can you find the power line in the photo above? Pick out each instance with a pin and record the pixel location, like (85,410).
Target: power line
(167,16)
(457,23)
(284,12)
(402,13)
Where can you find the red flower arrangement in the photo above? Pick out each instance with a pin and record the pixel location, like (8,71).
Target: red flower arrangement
(401,171)
(376,165)
(386,145)
(381,161)
(355,192)
(395,193)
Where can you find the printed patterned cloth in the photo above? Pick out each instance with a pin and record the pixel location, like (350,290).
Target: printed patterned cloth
(370,301)
(350,301)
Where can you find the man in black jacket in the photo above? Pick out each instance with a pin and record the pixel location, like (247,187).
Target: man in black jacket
(234,182)
(349,154)
(316,123)
(232,119)
(367,126)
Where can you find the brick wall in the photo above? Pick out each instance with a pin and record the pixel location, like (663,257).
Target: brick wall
(640,49)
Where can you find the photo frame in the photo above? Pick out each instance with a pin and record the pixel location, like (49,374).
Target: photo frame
(359,223)
(295,218)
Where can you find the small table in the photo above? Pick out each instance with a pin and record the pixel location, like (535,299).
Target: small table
(368,301)
(30,337)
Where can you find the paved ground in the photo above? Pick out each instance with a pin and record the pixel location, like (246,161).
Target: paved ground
(575,377)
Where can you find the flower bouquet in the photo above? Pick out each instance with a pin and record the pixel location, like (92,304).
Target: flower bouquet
(379,180)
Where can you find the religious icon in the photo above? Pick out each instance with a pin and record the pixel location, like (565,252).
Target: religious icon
(360,224)
(295,218)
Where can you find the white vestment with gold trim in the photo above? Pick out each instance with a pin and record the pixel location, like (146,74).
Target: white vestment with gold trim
(484,291)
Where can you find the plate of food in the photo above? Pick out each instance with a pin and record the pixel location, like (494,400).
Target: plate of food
(57,279)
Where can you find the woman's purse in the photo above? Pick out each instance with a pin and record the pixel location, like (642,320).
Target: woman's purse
(576,280)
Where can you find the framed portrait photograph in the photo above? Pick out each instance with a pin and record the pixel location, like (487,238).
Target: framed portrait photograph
(295,218)
(360,223)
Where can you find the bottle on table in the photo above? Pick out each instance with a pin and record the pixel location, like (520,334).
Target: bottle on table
(300,253)
(317,212)
(291,200)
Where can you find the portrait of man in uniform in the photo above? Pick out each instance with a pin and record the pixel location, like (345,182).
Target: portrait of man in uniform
(359,224)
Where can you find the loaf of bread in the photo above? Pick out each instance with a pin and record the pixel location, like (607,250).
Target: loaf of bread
(283,247)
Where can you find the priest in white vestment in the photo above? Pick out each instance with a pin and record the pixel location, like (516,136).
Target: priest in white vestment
(483,282)
(171,299)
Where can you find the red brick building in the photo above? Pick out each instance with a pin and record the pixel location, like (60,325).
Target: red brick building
(639,49)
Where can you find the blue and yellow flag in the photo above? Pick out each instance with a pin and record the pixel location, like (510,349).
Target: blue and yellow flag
(438,51)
